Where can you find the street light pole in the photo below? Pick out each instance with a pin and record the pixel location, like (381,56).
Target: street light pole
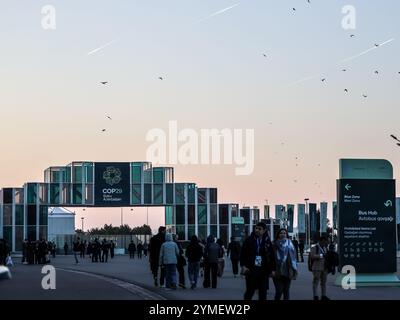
(307,224)
(147,216)
(82,223)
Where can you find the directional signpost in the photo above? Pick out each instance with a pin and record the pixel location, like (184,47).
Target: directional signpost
(367,226)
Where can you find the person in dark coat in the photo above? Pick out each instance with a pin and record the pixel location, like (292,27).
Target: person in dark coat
(105,247)
(132,250)
(301,250)
(112,248)
(212,253)
(234,254)
(155,245)
(194,253)
(65,248)
(139,250)
(258,262)
(296,247)
(181,263)
(24,251)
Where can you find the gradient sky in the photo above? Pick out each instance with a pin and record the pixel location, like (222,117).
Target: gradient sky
(53,107)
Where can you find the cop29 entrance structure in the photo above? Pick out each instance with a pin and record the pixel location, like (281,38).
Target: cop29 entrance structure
(189,209)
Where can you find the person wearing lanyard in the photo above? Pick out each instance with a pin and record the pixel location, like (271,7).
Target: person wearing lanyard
(257,262)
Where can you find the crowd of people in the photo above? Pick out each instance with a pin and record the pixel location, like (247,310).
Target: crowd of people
(97,250)
(259,257)
(141,249)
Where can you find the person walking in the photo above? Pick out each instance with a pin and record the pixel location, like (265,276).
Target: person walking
(155,246)
(169,253)
(221,260)
(66,248)
(286,264)
(180,266)
(317,264)
(194,253)
(76,248)
(139,250)
(112,249)
(296,247)
(212,253)
(234,254)
(105,247)
(145,248)
(301,250)
(257,261)
(83,249)
(132,250)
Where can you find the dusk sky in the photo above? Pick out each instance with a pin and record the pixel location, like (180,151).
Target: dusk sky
(215,75)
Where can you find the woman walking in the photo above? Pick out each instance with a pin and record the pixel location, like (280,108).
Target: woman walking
(169,253)
(286,264)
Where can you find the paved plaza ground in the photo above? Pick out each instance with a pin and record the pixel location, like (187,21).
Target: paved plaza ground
(122,278)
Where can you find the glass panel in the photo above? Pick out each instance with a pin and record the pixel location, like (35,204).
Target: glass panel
(136,194)
(213,214)
(223,214)
(180,214)
(89,172)
(8,195)
(169,175)
(169,215)
(245,214)
(19,215)
(89,194)
(170,193)
(32,193)
(147,176)
(68,175)
(179,193)
(7,235)
(180,231)
(213,231)
(43,214)
(158,193)
(77,174)
(202,213)
(202,234)
(32,233)
(19,196)
(7,215)
(43,232)
(191,214)
(158,175)
(191,231)
(213,195)
(77,193)
(66,193)
(31,215)
(147,193)
(19,238)
(55,193)
(43,193)
(191,193)
(137,174)
(201,194)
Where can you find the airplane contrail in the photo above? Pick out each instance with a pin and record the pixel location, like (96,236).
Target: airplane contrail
(365,52)
(342,61)
(102,47)
(217,13)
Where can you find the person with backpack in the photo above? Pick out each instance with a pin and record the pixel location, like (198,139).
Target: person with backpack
(286,264)
(318,266)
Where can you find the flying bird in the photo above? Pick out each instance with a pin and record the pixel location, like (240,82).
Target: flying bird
(365,96)
(345,90)
(376,45)
(323,79)
(109,117)
(104,82)
(104,130)
(161,78)
(344,70)
(294,9)
(376,72)
(352,35)
(264,55)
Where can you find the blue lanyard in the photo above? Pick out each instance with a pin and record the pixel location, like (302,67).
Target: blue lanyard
(258,246)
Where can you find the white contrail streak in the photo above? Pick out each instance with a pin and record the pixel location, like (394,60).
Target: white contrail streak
(102,47)
(342,61)
(365,52)
(217,13)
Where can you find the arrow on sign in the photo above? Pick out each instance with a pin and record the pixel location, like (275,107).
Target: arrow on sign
(347,187)
(388,203)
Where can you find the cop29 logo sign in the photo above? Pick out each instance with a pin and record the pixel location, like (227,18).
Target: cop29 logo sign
(112,184)
(112,176)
